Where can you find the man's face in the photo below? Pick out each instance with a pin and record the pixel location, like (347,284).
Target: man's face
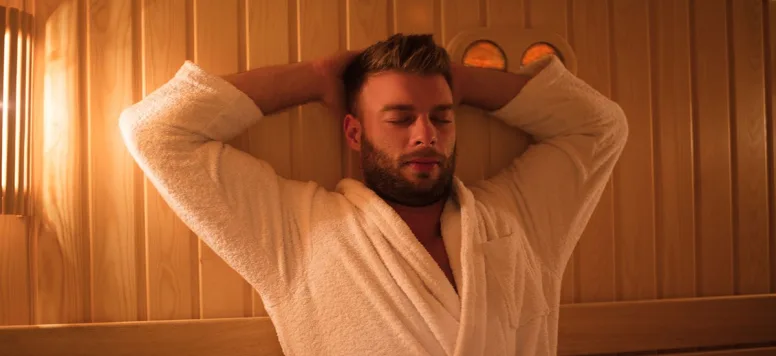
(406,136)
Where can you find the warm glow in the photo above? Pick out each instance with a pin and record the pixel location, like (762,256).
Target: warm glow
(4,146)
(536,52)
(485,54)
(15,101)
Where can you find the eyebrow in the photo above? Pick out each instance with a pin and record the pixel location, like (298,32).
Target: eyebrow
(406,107)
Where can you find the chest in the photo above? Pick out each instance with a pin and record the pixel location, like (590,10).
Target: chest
(436,248)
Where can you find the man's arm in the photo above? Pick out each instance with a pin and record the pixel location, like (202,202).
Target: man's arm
(553,188)
(233,201)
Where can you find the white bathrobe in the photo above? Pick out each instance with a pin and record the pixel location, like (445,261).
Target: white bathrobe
(339,271)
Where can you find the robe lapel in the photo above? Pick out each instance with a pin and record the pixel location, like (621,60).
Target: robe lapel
(404,242)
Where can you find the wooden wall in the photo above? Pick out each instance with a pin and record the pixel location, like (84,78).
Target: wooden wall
(689,212)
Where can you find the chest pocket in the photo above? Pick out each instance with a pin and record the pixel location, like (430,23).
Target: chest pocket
(517,278)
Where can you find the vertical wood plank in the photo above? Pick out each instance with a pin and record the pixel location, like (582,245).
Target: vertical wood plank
(268,43)
(750,147)
(112,173)
(367,23)
(15,306)
(505,13)
(595,254)
(173,290)
(317,139)
(471,124)
(712,149)
(633,184)
(675,218)
(417,16)
(216,50)
(551,15)
(771,105)
(60,232)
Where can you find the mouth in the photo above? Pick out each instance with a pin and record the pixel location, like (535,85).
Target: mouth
(422,165)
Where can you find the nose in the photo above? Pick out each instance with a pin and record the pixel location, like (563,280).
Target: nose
(423,132)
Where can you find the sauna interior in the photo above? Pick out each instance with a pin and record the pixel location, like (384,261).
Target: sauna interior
(678,258)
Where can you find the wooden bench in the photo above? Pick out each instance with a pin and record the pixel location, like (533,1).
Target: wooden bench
(594,328)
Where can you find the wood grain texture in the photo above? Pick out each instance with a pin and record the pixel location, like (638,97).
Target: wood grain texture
(470,123)
(750,147)
(367,23)
(674,174)
(584,329)
(224,293)
(712,148)
(633,176)
(771,105)
(60,233)
(592,265)
(317,141)
(268,43)
(112,172)
(15,306)
(172,247)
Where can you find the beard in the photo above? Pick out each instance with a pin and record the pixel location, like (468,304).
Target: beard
(384,176)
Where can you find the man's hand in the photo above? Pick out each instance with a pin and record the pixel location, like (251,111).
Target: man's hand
(332,88)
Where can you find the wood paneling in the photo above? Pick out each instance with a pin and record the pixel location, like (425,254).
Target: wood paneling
(173,281)
(633,176)
(60,234)
(673,125)
(750,186)
(223,292)
(584,329)
(712,150)
(15,306)
(114,179)
(687,213)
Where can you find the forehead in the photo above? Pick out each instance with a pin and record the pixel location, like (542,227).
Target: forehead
(424,92)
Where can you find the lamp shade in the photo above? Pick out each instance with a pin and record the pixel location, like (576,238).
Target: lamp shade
(16,54)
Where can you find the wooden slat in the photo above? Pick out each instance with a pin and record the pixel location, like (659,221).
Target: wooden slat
(591,328)
(633,184)
(15,306)
(674,186)
(268,43)
(367,23)
(173,287)
(760,351)
(595,255)
(60,234)
(712,148)
(236,336)
(750,147)
(470,124)
(223,292)
(771,93)
(112,171)
(317,149)
(597,328)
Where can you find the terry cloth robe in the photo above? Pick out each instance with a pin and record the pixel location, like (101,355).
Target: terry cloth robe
(339,272)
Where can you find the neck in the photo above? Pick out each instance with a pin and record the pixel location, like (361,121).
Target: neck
(424,221)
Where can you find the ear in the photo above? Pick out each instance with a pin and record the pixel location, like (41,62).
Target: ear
(353,131)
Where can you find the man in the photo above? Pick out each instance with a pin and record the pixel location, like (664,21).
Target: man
(410,262)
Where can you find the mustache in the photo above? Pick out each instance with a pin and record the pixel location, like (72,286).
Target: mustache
(423,153)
